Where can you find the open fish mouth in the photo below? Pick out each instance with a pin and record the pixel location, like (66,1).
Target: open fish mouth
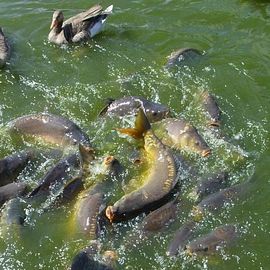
(206,153)
(214,123)
(109,213)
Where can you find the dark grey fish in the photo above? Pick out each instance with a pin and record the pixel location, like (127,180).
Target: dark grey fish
(211,185)
(183,56)
(181,238)
(160,217)
(12,190)
(211,109)
(216,201)
(180,134)
(51,128)
(130,106)
(60,175)
(4,49)
(208,244)
(85,260)
(14,212)
(11,166)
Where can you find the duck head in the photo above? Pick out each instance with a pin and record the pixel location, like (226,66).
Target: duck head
(57,19)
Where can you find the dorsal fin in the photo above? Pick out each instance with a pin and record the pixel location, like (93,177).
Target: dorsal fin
(108,102)
(141,126)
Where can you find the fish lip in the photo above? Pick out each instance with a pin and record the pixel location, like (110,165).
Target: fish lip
(109,213)
(108,160)
(214,123)
(206,153)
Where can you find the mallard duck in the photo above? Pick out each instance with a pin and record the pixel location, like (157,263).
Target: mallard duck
(4,49)
(78,28)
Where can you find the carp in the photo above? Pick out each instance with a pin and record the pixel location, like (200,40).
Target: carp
(180,134)
(11,166)
(208,244)
(159,180)
(211,185)
(183,56)
(211,109)
(130,105)
(160,217)
(181,238)
(52,129)
(12,190)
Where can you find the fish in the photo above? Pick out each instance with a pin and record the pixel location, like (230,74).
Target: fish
(14,212)
(183,57)
(214,202)
(211,185)
(179,134)
(5,49)
(159,218)
(90,205)
(159,181)
(130,105)
(11,166)
(52,129)
(211,243)
(86,260)
(12,190)
(58,176)
(181,237)
(211,109)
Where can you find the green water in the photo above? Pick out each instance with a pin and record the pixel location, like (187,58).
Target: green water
(127,59)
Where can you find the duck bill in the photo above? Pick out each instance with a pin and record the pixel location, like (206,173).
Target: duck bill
(53,24)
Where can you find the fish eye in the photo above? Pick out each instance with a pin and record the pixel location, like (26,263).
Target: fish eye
(197,143)
(205,249)
(154,113)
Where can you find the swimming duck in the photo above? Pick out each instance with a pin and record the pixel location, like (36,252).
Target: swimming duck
(78,28)
(4,49)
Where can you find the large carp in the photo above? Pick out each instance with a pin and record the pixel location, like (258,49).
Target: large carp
(159,180)
(130,105)
(180,134)
(208,244)
(51,128)
(12,165)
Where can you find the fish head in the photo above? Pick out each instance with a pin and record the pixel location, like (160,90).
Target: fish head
(193,141)
(156,112)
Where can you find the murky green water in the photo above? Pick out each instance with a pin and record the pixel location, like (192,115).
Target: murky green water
(75,81)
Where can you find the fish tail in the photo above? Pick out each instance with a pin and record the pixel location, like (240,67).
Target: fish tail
(141,126)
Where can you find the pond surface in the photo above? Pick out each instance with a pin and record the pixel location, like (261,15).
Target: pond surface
(128,58)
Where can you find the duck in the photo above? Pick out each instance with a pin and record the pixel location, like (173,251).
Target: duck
(78,28)
(4,49)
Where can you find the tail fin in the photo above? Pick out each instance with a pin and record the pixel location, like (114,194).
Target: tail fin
(141,126)
(108,10)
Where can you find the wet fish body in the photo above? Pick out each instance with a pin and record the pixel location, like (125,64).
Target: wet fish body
(14,212)
(130,106)
(183,57)
(159,182)
(181,238)
(211,109)
(88,214)
(180,134)
(12,190)
(59,175)
(212,242)
(160,217)
(216,201)
(51,128)
(11,166)
(211,185)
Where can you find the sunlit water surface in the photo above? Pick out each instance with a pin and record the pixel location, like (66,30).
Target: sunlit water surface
(128,58)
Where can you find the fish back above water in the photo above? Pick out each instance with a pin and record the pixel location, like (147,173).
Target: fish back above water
(130,106)
(51,128)
(11,166)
